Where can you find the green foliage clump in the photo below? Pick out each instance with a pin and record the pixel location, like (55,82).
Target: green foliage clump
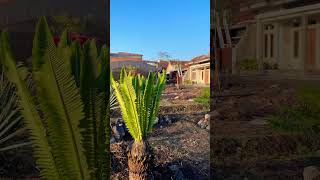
(139,100)
(248,64)
(68,118)
(11,127)
(204,97)
(304,118)
(73,24)
(188,82)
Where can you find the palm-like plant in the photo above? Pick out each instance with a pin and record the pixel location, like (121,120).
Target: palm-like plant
(68,137)
(10,118)
(139,100)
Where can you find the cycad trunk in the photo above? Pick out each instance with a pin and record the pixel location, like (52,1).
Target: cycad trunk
(140,161)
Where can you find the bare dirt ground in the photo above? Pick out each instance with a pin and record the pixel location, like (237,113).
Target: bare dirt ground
(180,146)
(245,146)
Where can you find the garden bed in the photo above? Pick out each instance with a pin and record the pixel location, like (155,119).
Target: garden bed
(245,144)
(180,146)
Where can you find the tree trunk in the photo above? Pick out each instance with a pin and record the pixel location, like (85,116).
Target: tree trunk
(140,161)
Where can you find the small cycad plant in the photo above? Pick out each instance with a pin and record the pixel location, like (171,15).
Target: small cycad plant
(139,100)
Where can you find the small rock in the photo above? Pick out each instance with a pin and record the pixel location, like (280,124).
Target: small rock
(121,128)
(177,97)
(174,168)
(311,173)
(215,114)
(156,120)
(203,125)
(112,140)
(115,132)
(179,175)
(191,100)
(208,127)
(167,120)
(274,86)
(207,117)
(200,122)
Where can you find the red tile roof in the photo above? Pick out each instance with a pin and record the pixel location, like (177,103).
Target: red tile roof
(200,58)
(174,62)
(128,54)
(163,64)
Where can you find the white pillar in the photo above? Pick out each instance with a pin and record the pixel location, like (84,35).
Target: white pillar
(304,25)
(259,43)
(276,42)
(317,46)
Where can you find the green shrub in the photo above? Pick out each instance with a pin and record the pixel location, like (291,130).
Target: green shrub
(304,118)
(248,64)
(267,65)
(204,97)
(188,82)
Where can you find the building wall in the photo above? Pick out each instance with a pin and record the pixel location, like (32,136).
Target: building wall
(198,74)
(119,57)
(116,59)
(292,43)
(246,48)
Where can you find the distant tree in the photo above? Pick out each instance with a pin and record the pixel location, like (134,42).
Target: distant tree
(162,55)
(73,24)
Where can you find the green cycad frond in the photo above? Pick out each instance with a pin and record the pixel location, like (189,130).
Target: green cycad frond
(40,142)
(90,71)
(139,100)
(60,102)
(10,117)
(62,149)
(75,61)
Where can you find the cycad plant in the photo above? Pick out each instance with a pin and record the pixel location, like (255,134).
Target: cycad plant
(67,130)
(139,100)
(11,127)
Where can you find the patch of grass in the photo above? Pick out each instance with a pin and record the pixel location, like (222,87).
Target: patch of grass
(248,64)
(304,118)
(188,82)
(204,97)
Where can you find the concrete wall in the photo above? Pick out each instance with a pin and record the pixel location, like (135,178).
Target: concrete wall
(199,69)
(287,61)
(246,48)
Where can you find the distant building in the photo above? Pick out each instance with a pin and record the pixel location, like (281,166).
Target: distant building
(198,70)
(282,33)
(163,64)
(175,65)
(132,62)
(125,56)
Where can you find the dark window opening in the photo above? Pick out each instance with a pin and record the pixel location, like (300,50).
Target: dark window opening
(266,45)
(296,44)
(271,45)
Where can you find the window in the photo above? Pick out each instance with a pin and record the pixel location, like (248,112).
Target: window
(296,44)
(202,75)
(266,45)
(268,42)
(271,45)
(193,75)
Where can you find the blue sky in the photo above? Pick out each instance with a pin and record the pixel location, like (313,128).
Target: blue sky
(179,27)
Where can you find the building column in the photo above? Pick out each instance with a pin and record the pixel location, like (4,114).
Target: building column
(276,42)
(317,46)
(259,43)
(304,31)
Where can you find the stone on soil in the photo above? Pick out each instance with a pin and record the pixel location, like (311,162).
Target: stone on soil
(311,173)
